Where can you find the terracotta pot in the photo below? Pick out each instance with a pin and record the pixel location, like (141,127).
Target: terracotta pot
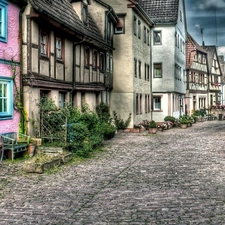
(183,125)
(152,130)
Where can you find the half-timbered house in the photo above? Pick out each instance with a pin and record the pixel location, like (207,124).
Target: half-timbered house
(66,55)
(197,77)
(215,76)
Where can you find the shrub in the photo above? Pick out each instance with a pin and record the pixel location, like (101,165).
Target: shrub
(152,124)
(119,122)
(102,111)
(170,118)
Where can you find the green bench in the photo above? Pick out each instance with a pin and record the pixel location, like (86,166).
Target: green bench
(14,142)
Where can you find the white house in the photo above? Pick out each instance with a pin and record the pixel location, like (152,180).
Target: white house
(168,56)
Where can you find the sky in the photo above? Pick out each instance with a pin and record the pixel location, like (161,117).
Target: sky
(206,22)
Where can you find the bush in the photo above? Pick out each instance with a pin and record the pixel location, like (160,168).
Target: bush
(102,111)
(119,122)
(152,124)
(170,118)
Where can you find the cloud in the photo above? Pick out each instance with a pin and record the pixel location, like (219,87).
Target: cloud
(210,4)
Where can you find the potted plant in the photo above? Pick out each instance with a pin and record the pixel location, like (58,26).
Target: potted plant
(152,128)
(183,122)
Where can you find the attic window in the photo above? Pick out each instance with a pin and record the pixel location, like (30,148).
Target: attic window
(119,28)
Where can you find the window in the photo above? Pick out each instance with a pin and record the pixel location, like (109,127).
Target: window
(43,41)
(135,67)
(3,22)
(180,16)
(140,106)
(58,48)
(139,69)
(107,62)
(157,37)
(62,99)
(135,26)
(101,62)
(111,64)
(6,98)
(139,29)
(137,104)
(157,70)
(94,59)
(147,38)
(146,72)
(119,28)
(84,14)
(156,103)
(87,57)
(145,35)
(147,106)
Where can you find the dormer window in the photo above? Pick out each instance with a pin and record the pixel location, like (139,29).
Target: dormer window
(119,28)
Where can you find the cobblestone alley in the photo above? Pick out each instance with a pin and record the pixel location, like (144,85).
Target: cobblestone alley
(173,177)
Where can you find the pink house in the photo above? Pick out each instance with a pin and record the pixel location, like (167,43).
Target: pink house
(10,65)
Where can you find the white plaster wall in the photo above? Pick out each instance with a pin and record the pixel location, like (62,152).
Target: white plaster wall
(164,54)
(98,14)
(125,85)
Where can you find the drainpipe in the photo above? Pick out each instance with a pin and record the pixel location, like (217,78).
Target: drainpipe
(151,95)
(22,116)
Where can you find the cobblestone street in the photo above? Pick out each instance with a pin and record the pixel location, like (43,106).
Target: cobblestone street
(173,177)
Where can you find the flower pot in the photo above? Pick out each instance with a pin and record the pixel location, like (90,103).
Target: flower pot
(152,130)
(183,125)
(142,130)
(135,130)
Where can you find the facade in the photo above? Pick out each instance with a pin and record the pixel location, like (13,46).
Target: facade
(168,56)
(66,56)
(197,77)
(10,65)
(132,62)
(215,77)
(222,66)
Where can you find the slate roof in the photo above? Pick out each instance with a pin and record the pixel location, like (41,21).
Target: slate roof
(161,11)
(63,12)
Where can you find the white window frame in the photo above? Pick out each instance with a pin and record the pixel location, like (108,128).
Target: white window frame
(62,99)
(58,46)
(157,33)
(157,103)
(43,43)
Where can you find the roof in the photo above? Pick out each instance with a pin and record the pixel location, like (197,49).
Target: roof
(197,46)
(161,11)
(63,13)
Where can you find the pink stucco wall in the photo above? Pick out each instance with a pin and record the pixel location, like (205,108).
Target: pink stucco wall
(9,51)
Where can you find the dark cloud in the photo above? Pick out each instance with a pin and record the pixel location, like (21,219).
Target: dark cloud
(207,16)
(209,4)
